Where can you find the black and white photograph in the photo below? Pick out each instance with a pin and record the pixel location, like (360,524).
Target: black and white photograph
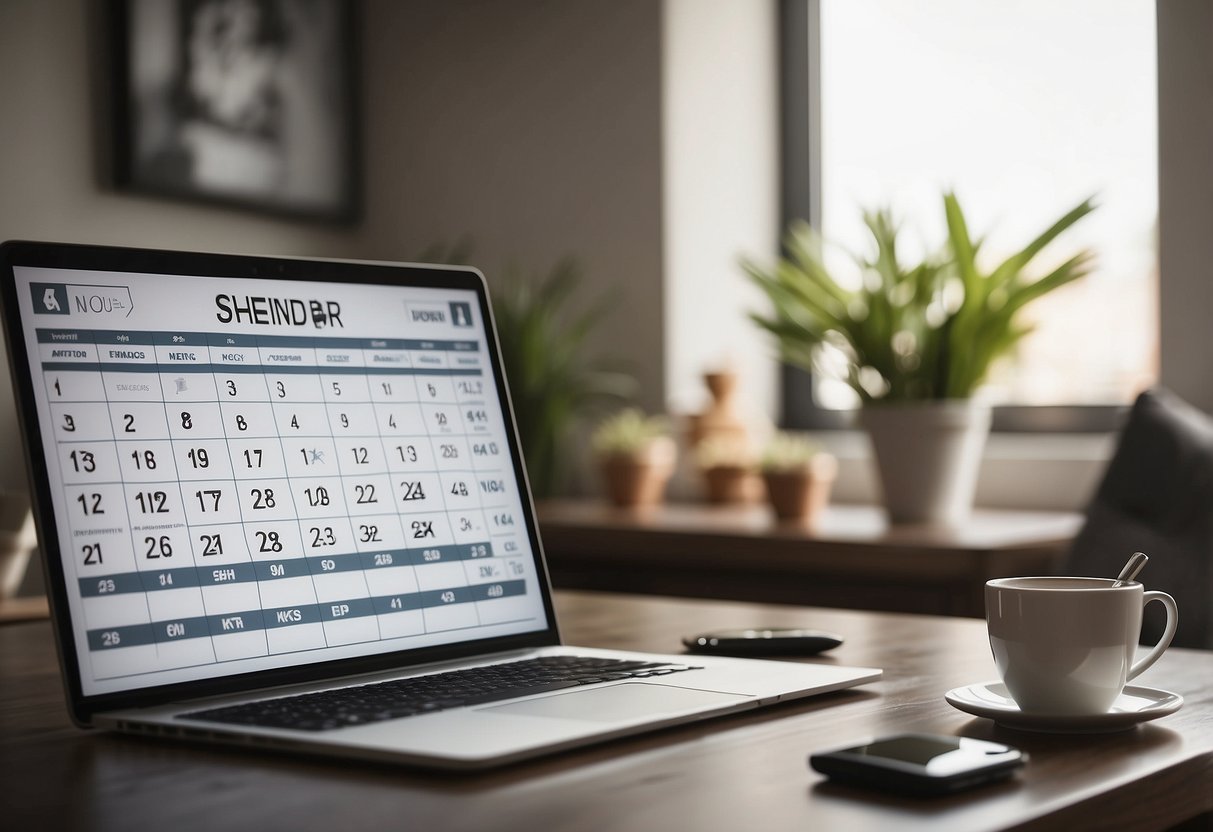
(241,101)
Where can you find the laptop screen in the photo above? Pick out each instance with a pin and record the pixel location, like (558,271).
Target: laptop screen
(253,474)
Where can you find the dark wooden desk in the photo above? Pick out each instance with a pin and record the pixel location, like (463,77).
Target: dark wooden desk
(734,773)
(853,559)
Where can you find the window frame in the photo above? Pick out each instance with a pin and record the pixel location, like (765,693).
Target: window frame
(800,198)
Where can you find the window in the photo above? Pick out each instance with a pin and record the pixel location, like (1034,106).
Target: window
(1024,108)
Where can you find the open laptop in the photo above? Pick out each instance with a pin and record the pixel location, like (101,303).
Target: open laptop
(281,503)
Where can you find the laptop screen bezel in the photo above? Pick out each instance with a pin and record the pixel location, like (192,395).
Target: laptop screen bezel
(158,261)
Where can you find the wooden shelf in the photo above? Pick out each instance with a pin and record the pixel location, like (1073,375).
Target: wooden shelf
(853,558)
(23,609)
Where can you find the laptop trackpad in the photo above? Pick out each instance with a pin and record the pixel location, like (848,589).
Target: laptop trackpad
(619,703)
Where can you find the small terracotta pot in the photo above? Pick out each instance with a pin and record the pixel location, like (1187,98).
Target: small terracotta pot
(799,495)
(732,484)
(727,484)
(638,479)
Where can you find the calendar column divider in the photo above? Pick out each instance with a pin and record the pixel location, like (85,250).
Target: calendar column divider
(387,464)
(75,569)
(185,517)
(397,511)
(127,511)
(341,479)
(475,471)
(439,474)
(295,506)
(227,446)
(446,506)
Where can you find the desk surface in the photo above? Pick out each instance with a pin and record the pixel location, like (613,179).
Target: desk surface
(740,772)
(852,558)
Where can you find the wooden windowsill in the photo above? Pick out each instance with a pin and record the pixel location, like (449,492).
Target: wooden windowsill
(852,558)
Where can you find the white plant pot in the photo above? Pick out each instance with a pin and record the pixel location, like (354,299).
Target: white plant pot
(927,455)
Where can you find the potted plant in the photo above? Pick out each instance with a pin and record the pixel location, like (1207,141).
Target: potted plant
(727,464)
(636,455)
(553,384)
(798,477)
(917,340)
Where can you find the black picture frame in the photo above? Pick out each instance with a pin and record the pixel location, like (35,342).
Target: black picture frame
(242,103)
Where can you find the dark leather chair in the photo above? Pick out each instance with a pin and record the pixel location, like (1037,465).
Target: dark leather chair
(1157,497)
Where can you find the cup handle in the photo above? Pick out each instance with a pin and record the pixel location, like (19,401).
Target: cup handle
(1169,633)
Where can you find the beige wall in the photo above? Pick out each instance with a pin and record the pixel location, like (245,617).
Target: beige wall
(534,127)
(1185,200)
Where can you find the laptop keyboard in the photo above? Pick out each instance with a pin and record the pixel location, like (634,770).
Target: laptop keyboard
(363,704)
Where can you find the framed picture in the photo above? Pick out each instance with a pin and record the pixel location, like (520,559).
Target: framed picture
(248,103)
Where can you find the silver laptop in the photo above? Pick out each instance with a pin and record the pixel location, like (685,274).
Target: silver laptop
(282,504)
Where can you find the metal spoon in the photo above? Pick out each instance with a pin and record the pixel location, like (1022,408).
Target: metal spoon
(1136,562)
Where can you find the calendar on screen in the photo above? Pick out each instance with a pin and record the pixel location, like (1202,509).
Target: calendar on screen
(253,474)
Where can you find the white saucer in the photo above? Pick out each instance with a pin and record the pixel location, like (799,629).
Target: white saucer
(1135,705)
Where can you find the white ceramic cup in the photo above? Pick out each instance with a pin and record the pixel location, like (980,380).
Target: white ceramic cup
(1066,645)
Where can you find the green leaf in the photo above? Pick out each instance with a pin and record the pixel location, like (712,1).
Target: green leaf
(1069,271)
(805,247)
(937,354)
(963,250)
(1016,263)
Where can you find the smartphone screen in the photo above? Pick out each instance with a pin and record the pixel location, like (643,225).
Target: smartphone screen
(919,750)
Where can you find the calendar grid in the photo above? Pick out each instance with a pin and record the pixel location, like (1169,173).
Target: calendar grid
(419,526)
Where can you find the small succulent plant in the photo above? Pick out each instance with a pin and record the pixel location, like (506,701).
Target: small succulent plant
(786,451)
(628,432)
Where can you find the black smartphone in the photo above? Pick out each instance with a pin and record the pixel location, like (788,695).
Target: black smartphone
(920,764)
(772,641)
